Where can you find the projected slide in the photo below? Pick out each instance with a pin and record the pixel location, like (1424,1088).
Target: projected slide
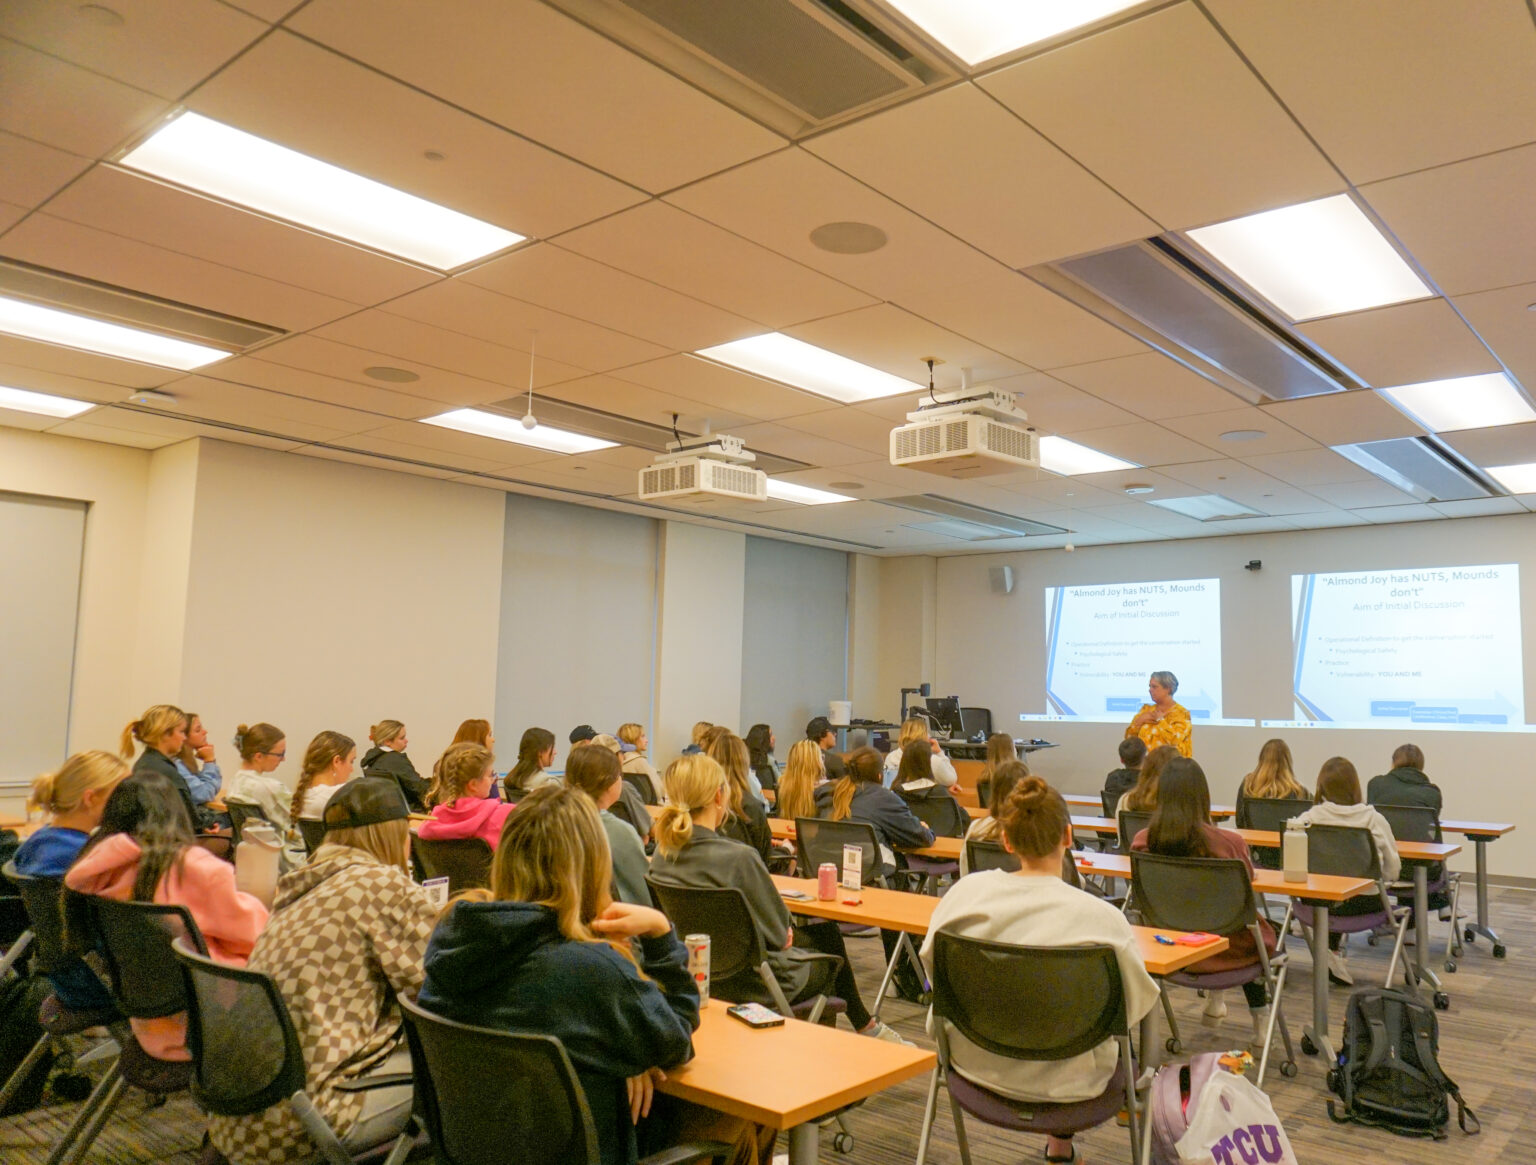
(1103,641)
(1438,647)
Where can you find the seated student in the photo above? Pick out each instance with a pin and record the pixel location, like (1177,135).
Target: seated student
(196,763)
(691,851)
(476,732)
(262,748)
(797,787)
(1000,751)
(696,738)
(162,730)
(1272,779)
(1339,803)
(74,798)
(1119,782)
(915,729)
(509,956)
(1143,796)
(820,730)
(347,935)
(387,759)
(460,796)
(535,753)
(760,742)
(595,770)
(144,851)
(1406,784)
(748,818)
(989,828)
(1034,907)
(327,765)
(1181,828)
(638,770)
(639,816)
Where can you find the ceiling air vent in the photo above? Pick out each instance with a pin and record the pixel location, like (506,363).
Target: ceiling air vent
(1417,466)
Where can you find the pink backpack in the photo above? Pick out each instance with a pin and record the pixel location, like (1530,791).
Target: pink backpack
(1220,1118)
(1174,1091)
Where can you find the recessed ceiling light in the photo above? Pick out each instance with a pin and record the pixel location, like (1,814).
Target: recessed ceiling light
(1068,457)
(849,238)
(42,403)
(231,164)
(52,326)
(100,14)
(1207,507)
(978,30)
(1464,402)
(789,491)
(434,155)
(1136,489)
(1517,479)
(392,375)
(794,362)
(500,428)
(1313,259)
(1243,434)
(846,484)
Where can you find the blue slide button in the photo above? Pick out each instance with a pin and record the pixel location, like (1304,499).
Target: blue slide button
(1425,715)
(1403,708)
(1123,703)
(1482,718)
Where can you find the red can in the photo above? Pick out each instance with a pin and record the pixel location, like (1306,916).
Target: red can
(826,881)
(698,963)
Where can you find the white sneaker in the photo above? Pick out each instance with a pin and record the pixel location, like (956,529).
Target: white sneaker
(1260,1017)
(1338,972)
(881,1031)
(1215,1008)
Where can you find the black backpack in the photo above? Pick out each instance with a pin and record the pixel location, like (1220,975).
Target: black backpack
(1388,1074)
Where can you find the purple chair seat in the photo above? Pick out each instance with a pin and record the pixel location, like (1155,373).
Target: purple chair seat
(1346,923)
(932,867)
(1217,980)
(1057,1120)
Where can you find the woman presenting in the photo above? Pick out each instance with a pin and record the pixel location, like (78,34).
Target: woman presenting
(1162,721)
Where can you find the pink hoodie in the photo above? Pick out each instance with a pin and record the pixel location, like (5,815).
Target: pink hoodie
(230,919)
(480,817)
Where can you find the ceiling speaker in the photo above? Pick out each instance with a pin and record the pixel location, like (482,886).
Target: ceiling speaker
(1002,579)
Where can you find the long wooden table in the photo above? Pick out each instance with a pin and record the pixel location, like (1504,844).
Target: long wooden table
(787,1077)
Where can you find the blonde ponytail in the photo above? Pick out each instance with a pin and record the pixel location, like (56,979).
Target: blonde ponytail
(62,791)
(691,783)
(151,728)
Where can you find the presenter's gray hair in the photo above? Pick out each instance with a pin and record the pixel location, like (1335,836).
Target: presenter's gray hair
(1167,679)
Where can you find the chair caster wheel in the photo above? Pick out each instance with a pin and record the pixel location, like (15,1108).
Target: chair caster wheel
(1288,1069)
(843,1142)
(72,1086)
(1498,950)
(1173,1046)
(1442,1001)
(1308,1046)
(1469,934)
(1370,940)
(1450,966)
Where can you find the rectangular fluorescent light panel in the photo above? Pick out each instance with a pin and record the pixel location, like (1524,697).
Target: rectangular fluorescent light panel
(1207,508)
(1415,466)
(979,30)
(1069,458)
(230,164)
(500,428)
(1464,402)
(1313,259)
(789,491)
(1517,479)
(776,356)
(52,326)
(42,403)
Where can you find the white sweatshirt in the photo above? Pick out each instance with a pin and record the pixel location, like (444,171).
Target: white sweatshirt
(1360,817)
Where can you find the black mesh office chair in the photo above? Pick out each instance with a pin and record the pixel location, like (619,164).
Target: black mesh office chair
(313,833)
(992,855)
(540,1115)
(974,720)
(818,840)
(1270,815)
(1350,851)
(240,813)
(1108,801)
(1131,822)
(464,861)
(1421,823)
(1028,1003)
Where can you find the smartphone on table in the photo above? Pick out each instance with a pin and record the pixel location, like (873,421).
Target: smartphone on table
(755,1015)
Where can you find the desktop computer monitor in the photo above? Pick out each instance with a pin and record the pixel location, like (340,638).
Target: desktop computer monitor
(944,712)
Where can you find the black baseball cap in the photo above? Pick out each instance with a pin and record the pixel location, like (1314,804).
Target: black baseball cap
(818,728)
(582,732)
(365,801)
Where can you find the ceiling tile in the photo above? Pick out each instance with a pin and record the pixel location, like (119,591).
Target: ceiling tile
(287,416)
(62,384)
(528,67)
(269,10)
(1144,443)
(1054,407)
(1385,89)
(1505,322)
(10,215)
(717,387)
(847,426)
(960,159)
(1242,483)
(555,278)
(671,247)
(1309,467)
(1150,385)
(820,449)
(1116,481)
(49,358)
(31,171)
(448,447)
(1207,428)
(284,378)
(1147,517)
(386,462)
(1343,418)
(1478,507)
(1327,519)
(1167,114)
(162,48)
(1386,515)
(1357,495)
(85,429)
(1502,445)
(1405,344)
(567,473)
(1466,223)
(380,128)
(69,108)
(653,405)
(896,341)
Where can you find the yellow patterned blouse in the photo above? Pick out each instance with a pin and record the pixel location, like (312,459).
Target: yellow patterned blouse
(1173,728)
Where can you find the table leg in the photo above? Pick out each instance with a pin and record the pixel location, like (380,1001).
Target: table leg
(1421,925)
(1318,1032)
(885,981)
(1480,844)
(805,1144)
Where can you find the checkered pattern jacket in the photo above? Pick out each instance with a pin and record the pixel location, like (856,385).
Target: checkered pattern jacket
(347,935)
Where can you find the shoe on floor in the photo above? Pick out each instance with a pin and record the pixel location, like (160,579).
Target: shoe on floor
(1338,972)
(1215,1009)
(882,1031)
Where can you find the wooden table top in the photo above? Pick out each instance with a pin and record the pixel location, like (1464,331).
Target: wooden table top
(1413,850)
(1321,887)
(785,1076)
(1476,829)
(10,821)
(943,848)
(1094,801)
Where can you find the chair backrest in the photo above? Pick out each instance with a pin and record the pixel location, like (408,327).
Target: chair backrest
(989,855)
(1109,800)
(1209,894)
(818,840)
(535,1113)
(135,939)
(464,861)
(1028,1003)
(1131,822)
(245,1053)
(43,900)
(735,947)
(312,830)
(622,811)
(1412,822)
(239,814)
(1271,813)
(1346,850)
(641,780)
(943,815)
(974,720)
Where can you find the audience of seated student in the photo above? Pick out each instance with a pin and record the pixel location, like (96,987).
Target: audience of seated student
(748,818)
(1272,779)
(629,796)
(327,765)
(262,748)
(1000,751)
(760,743)
(476,732)
(1406,784)
(347,935)
(914,730)
(638,770)
(162,730)
(508,958)
(387,759)
(916,778)
(144,851)
(989,828)
(196,764)
(696,738)
(596,771)
(73,798)
(1143,796)
(1181,828)
(460,797)
(1339,803)
(691,851)
(1119,782)
(797,787)
(820,730)
(535,753)
(1034,907)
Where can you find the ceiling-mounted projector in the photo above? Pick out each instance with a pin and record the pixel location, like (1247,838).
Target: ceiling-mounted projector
(704,471)
(966,432)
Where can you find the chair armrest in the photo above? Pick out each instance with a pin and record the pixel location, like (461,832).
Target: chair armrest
(378,1080)
(693,1151)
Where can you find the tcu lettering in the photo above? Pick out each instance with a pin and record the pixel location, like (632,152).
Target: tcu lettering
(1249,1146)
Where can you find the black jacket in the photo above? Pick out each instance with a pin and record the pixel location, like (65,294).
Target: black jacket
(155,761)
(1120,782)
(397,767)
(751,828)
(1403,786)
(895,824)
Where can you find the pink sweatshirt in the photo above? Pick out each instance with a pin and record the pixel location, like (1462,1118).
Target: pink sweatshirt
(230,919)
(480,817)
